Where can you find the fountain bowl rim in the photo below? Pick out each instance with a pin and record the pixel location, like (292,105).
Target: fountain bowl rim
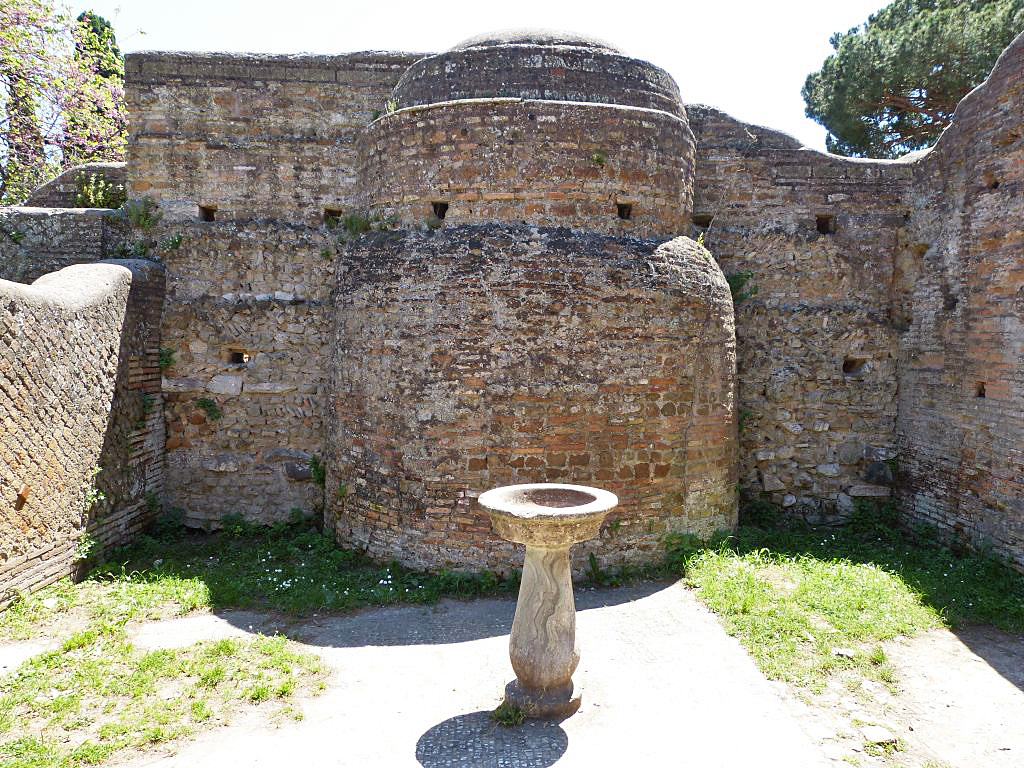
(506,499)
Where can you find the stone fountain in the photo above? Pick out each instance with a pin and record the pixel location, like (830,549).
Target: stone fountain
(548,518)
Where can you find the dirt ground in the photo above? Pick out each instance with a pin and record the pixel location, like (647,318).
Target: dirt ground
(960,704)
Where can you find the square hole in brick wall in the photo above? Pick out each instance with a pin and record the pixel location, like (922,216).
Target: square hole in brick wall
(440,208)
(854,366)
(702,220)
(979,389)
(624,210)
(238,356)
(332,217)
(826,223)
(207,213)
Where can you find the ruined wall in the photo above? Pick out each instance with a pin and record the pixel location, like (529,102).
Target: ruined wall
(817,377)
(79,392)
(246,320)
(960,290)
(545,163)
(481,356)
(556,70)
(36,241)
(265,144)
(63,191)
(251,136)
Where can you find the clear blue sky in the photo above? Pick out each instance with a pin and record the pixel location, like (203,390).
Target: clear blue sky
(747,57)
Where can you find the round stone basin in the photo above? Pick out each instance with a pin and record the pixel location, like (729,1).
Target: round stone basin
(548,515)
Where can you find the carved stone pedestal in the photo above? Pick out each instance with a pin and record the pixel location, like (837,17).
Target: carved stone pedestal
(548,518)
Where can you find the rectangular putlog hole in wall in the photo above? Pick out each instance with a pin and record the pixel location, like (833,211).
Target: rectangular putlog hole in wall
(854,366)
(238,356)
(826,223)
(979,389)
(440,208)
(207,213)
(702,220)
(332,216)
(624,210)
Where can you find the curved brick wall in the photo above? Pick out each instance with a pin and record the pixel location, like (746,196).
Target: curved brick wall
(544,163)
(562,72)
(79,389)
(486,355)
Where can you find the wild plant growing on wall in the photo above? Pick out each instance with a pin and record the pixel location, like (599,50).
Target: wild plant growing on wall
(61,94)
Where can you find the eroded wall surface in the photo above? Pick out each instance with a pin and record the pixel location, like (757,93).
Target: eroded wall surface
(266,145)
(814,235)
(35,241)
(960,276)
(252,136)
(79,413)
(490,355)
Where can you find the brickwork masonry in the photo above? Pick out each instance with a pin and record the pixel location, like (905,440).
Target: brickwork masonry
(80,416)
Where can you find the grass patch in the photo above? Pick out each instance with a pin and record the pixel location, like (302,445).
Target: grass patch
(291,568)
(98,694)
(508,715)
(808,604)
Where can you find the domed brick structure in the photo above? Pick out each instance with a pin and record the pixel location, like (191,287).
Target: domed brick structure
(530,318)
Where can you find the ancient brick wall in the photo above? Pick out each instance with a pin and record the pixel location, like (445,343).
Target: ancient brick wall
(817,377)
(960,289)
(246,322)
(597,167)
(579,71)
(63,191)
(36,241)
(251,136)
(79,392)
(481,356)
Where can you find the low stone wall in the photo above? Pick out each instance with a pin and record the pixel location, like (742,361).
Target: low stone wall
(63,191)
(80,415)
(37,241)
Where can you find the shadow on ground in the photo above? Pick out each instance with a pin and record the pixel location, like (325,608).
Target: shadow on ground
(474,739)
(421,624)
(981,598)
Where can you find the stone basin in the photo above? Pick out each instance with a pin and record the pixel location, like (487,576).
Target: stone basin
(548,518)
(549,515)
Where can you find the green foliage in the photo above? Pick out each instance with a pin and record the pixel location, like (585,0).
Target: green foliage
(210,408)
(13,235)
(61,95)
(166,359)
(172,242)
(508,715)
(99,695)
(434,221)
(94,191)
(738,286)
(289,567)
(744,416)
(758,510)
(892,84)
(318,471)
(85,547)
(142,214)
(599,158)
(93,495)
